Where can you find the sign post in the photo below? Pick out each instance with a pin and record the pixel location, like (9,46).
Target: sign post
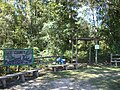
(18,57)
(96,46)
(96,52)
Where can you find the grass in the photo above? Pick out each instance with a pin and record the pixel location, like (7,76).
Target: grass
(105,78)
(102,78)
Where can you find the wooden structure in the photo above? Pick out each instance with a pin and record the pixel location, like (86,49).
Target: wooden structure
(88,39)
(56,67)
(21,76)
(48,57)
(85,39)
(115,58)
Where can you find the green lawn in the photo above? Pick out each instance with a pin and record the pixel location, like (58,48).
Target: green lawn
(105,78)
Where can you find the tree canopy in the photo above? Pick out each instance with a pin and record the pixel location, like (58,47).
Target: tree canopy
(48,26)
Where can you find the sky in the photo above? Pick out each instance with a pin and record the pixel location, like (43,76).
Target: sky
(89,15)
(84,12)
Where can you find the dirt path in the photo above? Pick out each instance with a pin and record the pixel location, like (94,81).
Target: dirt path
(96,78)
(92,78)
(58,84)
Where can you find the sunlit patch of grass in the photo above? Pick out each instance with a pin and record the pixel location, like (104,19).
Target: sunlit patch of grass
(71,74)
(105,78)
(108,77)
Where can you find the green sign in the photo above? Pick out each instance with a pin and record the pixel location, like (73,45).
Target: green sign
(18,57)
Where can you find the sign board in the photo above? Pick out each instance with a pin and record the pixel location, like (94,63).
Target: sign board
(18,57)
(96,46)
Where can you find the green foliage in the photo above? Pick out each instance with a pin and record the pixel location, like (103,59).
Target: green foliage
(2,70)
(47,27)
(110,31)
(68,54)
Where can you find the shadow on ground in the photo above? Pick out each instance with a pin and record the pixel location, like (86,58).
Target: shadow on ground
(88,78)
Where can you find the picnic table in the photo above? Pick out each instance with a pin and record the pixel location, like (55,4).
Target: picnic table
(55,67)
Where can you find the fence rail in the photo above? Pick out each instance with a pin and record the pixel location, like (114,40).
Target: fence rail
(115,58)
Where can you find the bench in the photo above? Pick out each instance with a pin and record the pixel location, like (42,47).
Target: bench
(21,76)
(55,67)
(115,58)
(33,72)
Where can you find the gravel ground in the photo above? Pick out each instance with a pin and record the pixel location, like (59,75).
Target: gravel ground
(58,84)
(96,78)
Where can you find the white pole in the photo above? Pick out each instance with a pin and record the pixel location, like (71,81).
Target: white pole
(96,53)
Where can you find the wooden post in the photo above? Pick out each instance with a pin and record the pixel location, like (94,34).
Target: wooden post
(22,78)
(76,50)
(72,50)
(65,67)
(7,69)
(75,66)
(4,83)
(18,68)
(90,55)
(28,67)
(54,69)
(116,63)
(111,59)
